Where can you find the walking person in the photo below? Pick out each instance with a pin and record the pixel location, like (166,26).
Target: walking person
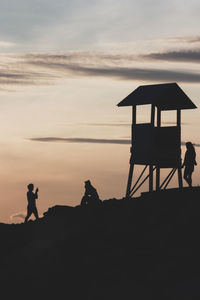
(31,197)
(189,163)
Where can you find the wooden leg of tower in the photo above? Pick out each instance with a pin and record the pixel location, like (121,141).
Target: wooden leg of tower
(157,179)
(150,178)
(130,176)
(180,179)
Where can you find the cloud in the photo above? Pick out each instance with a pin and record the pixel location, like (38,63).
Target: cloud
(107,124)
(123,124)
(185,39)
(123,73)
(6,44)
(133,73)
(88,140)
(44,69)
(19,215)
(190,56)
(124,141)
(80,140)
(91,58)
(99,64)
(14,72)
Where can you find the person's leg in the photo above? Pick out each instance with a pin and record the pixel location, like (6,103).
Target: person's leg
(29,212)
(35,212)
(83,201)
(188,174)
(189,178)
(185,175)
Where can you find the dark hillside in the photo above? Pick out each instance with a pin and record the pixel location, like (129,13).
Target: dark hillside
(143,248)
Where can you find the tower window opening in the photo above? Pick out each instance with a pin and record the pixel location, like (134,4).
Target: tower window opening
(168,118)
(143,114)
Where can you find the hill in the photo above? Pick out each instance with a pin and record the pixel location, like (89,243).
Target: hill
(141,248)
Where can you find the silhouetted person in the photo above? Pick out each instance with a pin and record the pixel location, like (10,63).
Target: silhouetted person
(91,196)
(31,197)
(189,163)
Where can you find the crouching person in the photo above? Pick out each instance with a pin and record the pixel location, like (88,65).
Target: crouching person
(91,197)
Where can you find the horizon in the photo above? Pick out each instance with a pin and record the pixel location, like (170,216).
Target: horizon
(64,68)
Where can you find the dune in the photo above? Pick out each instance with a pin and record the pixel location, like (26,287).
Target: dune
(141,248)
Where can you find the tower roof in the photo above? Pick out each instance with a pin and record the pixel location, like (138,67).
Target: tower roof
(168,96)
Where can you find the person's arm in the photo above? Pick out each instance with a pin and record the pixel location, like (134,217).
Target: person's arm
(28,197)
(36,193)
(194,158)
(86,192)
(184,160)
(97,195)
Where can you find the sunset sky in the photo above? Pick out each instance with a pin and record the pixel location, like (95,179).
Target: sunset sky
(65,65)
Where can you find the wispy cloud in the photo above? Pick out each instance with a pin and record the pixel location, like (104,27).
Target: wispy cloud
(185,39)
(43,69)
(191,56)
(125,141)
(91,58)
(68,65)
(120,124)
(129,73)
(19,215)
(107,124)
(16,73)
(88,140)
(80,140)
(6,44)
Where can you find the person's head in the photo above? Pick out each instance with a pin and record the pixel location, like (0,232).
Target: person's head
(189,145)
(87,183)
(30,187)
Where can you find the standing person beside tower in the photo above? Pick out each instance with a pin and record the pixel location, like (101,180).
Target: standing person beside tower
(189,163)
(31,197)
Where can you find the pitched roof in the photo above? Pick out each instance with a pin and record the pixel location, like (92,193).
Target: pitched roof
(168,96)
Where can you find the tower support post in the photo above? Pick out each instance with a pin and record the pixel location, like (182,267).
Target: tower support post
(130,177)
(180,179)
(158,167)
(151,163)
(131,168)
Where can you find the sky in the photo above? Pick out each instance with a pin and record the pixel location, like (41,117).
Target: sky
(65,65)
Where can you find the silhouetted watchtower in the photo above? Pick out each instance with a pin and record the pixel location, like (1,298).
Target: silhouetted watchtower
(155,146)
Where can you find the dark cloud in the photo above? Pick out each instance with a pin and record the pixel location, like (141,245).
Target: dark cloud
(43,69)
(80,140)
(123,73)
(23,76)
(192,56)
(84,57)
(88,140)
(101,64)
